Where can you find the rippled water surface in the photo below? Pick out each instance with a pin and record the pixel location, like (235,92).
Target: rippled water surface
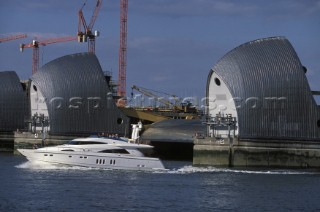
(29,186)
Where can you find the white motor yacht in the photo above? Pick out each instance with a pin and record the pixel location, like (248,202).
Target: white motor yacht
(97,152)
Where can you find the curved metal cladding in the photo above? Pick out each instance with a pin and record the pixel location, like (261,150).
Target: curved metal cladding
(12,102)
(273,96)
(78,97)
(173,130)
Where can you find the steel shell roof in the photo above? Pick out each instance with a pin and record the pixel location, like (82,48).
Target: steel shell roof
(264,69)
(78,97)
(12,102)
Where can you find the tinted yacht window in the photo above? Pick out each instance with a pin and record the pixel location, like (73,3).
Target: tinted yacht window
(119,151)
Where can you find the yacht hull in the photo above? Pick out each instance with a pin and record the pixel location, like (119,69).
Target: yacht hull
(95,160)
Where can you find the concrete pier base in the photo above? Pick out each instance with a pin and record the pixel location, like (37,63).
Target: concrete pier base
(6,141)
(256,153)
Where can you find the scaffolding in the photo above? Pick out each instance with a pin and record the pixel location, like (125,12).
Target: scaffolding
(221,123)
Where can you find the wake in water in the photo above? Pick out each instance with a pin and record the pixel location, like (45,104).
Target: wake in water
(188,169)
(39,165)
(193,169)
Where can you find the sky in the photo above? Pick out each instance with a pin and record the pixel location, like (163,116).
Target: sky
(171,44)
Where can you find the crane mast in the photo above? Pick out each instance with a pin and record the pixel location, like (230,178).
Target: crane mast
(35,47)
(86,34)
(123,48)
(186,107)
(152,95)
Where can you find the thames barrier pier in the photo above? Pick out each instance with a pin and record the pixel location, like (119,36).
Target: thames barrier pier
(67,98)
(260,110)
(256,153)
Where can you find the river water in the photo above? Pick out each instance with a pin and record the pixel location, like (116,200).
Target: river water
(29,186)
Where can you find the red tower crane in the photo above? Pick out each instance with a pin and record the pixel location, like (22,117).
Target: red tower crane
(12,37)
(123,48)
(86,33)
(35,46)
